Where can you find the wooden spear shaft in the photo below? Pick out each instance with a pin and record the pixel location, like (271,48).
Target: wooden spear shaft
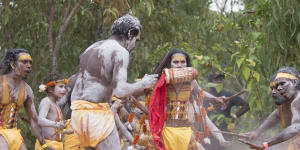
(227,99)
(139,105)
(231,133)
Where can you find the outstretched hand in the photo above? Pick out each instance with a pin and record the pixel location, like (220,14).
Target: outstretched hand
(60,125)
(221,101)
(252,146)
(149,80)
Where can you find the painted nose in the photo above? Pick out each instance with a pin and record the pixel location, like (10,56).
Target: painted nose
(28,65)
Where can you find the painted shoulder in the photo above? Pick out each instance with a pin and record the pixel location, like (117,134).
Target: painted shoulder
(112,45)
(105,45)
(44,102)
(296,102)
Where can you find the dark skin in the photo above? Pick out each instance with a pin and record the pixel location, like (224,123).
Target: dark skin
(243,103)
(287,89)
(20,71)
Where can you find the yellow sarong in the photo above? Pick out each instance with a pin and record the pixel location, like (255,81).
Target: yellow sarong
(177,138)
(91,122)
(71,142)
(52,144)
(12,137)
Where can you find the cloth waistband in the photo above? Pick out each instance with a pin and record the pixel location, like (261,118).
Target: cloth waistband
(85,105)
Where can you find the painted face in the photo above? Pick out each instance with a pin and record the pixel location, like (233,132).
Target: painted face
(59,90)
(278,99)
(131,42)
(178,61)
(22,67)
(284,87)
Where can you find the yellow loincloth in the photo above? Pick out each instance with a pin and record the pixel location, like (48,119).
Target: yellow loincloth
(52,144)
(177,138)
(91,122)
(71,142)
(12,137)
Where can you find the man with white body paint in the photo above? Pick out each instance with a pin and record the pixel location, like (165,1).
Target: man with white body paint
(285,86)
(103,73)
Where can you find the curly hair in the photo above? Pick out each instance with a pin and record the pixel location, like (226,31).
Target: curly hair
(10,56)
(290,70)
(124,24)
(169,59)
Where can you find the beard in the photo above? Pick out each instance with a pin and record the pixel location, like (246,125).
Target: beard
(279,99)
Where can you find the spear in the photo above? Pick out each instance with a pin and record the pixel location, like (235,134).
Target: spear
(231,133)
(236,95)
(227,99)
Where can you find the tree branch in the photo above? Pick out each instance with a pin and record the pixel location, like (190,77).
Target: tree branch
(67,10)
(50,29)
(61,31)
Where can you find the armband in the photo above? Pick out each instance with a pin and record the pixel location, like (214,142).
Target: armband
(265,144)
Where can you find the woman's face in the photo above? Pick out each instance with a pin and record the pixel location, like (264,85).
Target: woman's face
(178,61)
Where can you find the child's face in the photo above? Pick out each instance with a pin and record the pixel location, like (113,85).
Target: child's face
(59,90)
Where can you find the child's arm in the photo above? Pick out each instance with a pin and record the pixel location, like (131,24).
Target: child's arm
(43,112)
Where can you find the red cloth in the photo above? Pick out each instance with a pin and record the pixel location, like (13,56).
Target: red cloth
(157,112)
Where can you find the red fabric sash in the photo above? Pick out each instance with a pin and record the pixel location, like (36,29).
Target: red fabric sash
(157,112)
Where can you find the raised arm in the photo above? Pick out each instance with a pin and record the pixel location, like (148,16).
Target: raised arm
(122,87)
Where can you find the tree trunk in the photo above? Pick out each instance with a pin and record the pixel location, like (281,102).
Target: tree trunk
(67,20)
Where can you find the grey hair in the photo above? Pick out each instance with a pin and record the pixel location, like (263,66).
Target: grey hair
(124,24)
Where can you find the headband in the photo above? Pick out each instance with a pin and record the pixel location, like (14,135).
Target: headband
(43,87)
(25,57)
(178,57)
(285,75)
